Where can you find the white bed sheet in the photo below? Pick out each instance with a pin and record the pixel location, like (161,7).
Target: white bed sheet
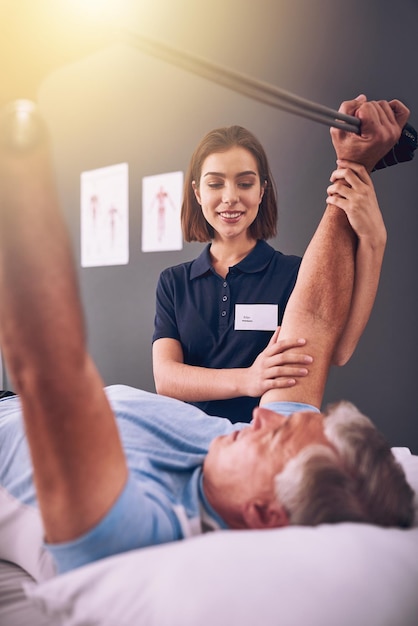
(15,609)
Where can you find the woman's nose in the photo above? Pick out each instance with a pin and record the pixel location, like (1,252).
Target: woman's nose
(230,196)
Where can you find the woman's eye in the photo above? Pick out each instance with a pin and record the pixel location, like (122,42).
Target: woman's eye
(215,185)
(245,185)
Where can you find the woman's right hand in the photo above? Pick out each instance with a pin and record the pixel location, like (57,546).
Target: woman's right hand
(277,366)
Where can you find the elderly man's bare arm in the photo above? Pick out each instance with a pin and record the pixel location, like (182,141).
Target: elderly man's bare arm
(339,275)
(79,465)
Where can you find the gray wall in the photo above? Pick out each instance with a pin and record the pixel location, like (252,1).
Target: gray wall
(121,105)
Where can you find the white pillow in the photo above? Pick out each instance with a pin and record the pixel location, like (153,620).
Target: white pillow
(345,574)
(21,537)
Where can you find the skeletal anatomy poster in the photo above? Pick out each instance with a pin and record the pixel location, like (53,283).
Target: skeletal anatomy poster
(161,202)
(105,216)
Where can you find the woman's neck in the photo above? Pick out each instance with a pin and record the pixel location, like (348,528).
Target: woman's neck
(226,254)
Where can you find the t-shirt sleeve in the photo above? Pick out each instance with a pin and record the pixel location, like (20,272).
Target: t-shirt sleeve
(165,321)
(136,520)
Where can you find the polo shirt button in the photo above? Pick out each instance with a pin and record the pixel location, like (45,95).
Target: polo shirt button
(225,284)
(223,313)
(224,298)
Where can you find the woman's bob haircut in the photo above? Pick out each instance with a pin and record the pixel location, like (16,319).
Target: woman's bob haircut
(193,223)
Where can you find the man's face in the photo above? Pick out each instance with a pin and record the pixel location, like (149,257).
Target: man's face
(242,465)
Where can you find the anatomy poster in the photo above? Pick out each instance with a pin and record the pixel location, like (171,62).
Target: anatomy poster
(161,202)
(105,216)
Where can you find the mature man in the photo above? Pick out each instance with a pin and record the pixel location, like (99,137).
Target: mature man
(120,469)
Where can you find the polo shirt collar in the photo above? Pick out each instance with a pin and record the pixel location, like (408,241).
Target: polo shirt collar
(202,264)
(254,262)
(258,258)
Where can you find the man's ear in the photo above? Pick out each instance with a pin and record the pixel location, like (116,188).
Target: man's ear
(259,515)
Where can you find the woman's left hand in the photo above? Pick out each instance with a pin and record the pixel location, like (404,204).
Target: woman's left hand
(352,191)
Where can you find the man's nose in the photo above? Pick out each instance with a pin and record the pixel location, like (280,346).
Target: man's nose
(256,422)
(264,417)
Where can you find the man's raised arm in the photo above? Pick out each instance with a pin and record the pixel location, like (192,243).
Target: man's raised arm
(79,466)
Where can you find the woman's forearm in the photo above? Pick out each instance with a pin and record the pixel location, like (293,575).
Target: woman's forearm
(192,383)
(278,365)
(352,191)
(369,258)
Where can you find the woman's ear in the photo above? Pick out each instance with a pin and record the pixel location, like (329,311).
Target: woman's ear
(196,191)
(259,515)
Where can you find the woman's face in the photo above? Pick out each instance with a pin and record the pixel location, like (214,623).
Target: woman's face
(230,192)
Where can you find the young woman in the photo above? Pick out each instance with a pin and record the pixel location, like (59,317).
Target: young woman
(216,340)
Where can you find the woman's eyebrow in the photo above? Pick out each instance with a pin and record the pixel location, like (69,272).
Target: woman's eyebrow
(246,173)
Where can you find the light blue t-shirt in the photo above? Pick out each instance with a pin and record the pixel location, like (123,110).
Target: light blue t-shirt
(165,443)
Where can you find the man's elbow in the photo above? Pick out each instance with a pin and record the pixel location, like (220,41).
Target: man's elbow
(341,357)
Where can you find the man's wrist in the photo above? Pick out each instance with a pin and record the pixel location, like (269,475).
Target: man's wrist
(402,151)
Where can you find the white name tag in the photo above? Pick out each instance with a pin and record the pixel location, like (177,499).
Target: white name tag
(256,316)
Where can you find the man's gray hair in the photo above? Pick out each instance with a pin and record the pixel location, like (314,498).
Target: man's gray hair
(359,480)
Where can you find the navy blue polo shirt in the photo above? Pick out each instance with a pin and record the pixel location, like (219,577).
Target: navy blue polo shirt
(197,307)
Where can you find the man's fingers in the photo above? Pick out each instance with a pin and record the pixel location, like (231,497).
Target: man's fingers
(21,127)
(349,107)
(383,111)
(401,112)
